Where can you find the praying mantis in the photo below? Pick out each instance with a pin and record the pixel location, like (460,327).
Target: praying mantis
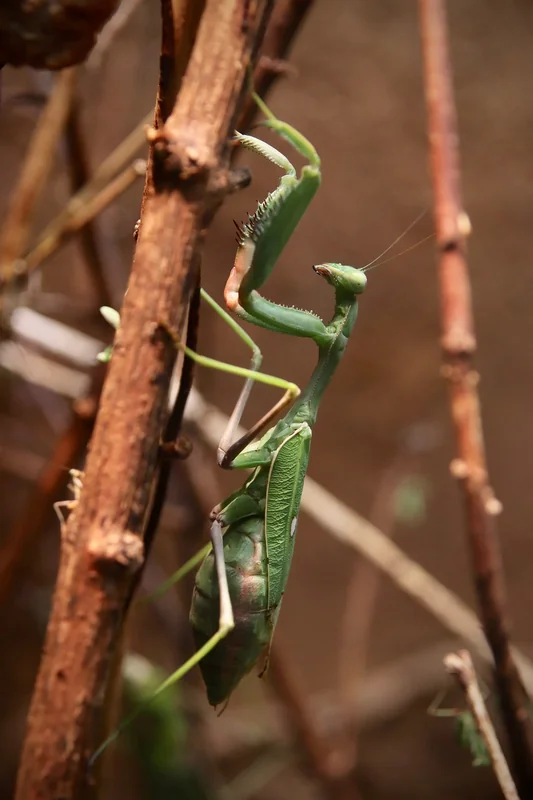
(240,584)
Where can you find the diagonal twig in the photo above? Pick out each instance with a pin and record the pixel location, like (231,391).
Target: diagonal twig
(461,667)
(39,159)
(459,345)
(284,24)
(80,173)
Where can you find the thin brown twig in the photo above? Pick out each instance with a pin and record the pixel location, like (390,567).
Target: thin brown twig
(459,345)
(118,160)
(80,174)
(67,450)
(102,547)
(65,225)
(284,24)
(116,24)
(320,759)
(461,667)
(37,164)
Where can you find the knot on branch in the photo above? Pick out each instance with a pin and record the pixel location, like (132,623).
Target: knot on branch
(116,549)
(179,160)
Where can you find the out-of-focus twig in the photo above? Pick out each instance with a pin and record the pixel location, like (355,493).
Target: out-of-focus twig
(117,23)
(461,667)
(286,19)
(37,164)
(65,226)
(102,547)
(80,174)
(320,760)
(459,345)
(67,450)
(95,194)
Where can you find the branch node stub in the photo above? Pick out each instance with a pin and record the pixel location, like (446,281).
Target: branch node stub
(116,548)
(492,505)
(228,181)
(459,469)
(458,343)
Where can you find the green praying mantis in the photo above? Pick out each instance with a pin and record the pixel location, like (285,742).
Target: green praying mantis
(240,584)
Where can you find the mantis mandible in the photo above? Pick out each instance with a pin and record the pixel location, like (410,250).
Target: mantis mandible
(240,584)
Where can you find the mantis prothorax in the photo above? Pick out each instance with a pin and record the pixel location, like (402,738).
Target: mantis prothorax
(240,584)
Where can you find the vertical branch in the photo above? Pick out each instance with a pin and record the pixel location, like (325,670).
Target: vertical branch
(459,345)
(102,547)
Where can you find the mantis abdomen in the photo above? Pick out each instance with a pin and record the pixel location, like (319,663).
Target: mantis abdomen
(247,572)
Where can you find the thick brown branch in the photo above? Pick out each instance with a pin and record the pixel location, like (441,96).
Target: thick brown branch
(102,548)
(458,341)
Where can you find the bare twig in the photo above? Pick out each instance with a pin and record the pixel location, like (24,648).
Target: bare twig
(68,449)
(459,344)
(65,225)
(80,173)
(39,159)
(102,548)
(286,19)
(74,214)
(461,667)
(116,24)
(321,762)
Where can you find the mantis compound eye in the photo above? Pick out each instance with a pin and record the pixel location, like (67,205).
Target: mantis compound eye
(348,279)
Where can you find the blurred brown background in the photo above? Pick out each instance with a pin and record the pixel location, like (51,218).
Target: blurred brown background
(358,96)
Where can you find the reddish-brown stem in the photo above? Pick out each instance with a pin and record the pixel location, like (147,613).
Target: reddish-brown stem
(80,174)
(459,344)
(32,178)
(320,760)
(102,547)
(68,449)
(286,19)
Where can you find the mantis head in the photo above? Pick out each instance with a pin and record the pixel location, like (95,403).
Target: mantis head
(345,279)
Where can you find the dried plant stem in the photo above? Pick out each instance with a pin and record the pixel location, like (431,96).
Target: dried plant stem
(461,667)
(102,547)
(284,24)
(80,173)
(74,215)
(37,164)
(459,344)
(334,781)
(81,214)
(68,449)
